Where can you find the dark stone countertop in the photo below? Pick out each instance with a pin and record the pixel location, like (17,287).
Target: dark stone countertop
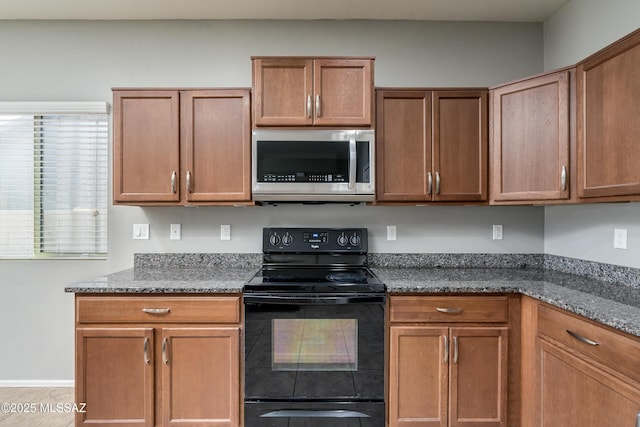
(611,304)
(168,280)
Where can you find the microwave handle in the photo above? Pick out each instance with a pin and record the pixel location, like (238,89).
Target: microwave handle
(352,161)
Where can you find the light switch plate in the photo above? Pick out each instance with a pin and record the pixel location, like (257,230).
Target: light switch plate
(140,231)
(620,238)
(392,232)
(497,232)
(176,232)
(225,232)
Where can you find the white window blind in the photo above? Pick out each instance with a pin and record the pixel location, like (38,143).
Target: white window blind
(53,179)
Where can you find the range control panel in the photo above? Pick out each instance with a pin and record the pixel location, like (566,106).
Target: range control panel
(353,240)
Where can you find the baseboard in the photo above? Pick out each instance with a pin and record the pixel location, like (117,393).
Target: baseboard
(36,383)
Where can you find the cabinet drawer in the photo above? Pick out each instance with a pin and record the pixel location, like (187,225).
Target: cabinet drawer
(101,309)
(613,349)
(449,309)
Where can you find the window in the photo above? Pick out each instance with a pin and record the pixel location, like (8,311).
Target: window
(53,179)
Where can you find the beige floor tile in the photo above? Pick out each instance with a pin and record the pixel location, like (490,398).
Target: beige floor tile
(35,407)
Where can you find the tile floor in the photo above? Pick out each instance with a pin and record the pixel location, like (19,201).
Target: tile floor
(40,404)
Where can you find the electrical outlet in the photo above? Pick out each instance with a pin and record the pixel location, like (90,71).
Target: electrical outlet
(497,232)
(140,231)
(176,232)
(225,232)
(620,238)
(391,232)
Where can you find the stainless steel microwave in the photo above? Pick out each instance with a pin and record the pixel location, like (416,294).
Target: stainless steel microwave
(313,165)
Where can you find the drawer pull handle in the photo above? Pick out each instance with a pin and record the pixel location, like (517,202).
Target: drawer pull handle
(449,310)
(157,310)
(582,339)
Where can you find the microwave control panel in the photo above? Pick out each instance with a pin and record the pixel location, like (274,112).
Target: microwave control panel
(303,177)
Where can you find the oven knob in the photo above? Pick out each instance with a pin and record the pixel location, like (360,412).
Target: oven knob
(343,240)
(354,240)
(274,240)
(287,239)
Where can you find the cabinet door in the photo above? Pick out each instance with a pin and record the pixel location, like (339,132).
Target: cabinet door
(479,377)
(114,376)
(576,393)
(216,133)
(418,378)
(201,377)
(530,139)
(343,92)
(460,130)
(283,92)
(403,146)
(608,125)
(146,146)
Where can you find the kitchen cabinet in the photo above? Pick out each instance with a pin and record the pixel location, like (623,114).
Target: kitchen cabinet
(431,146)
(147,361)
(588,374)
(608,126)
(531,138)
(181,147)
(448,361)
(302,91)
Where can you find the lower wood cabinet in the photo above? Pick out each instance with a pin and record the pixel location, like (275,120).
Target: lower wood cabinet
(158,366)
(589,375)
(448,373)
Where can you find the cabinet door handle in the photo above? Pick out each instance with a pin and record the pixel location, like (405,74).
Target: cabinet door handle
(437,182)
(156,310)
(309,106)
(449,310)
(563,178)
(146,351)
(455,349)
(165,356)
(188,181)
(429,183)
(638,420)
(582,339)
(445,359)
(318,106)
(173,182)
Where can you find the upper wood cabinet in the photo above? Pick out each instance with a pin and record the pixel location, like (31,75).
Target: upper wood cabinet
(146,146)
(530,139)
(300,91)
(431,145)
(181,147)
(609,121)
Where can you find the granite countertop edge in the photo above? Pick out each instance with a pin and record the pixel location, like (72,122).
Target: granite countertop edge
(573,293)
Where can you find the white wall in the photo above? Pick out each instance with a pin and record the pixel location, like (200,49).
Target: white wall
(58,61)
(579,29)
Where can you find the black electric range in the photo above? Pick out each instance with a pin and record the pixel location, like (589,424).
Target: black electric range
(314,332)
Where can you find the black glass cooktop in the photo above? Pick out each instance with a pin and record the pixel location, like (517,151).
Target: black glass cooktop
(314,279)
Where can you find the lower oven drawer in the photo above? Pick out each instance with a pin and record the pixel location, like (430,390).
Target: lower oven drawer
(314,414)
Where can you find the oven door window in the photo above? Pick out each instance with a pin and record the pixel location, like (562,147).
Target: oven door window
(315,345)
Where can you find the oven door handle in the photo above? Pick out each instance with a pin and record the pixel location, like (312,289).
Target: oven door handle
(313,299)
(310,413)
